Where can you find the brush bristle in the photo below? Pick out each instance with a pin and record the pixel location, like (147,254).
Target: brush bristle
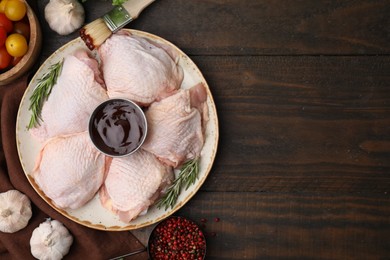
(95,33)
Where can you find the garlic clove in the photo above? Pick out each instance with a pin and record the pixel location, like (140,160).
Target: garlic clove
(15,211)
(50,240)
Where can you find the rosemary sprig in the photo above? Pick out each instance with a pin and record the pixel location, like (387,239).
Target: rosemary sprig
(187,176)
(42,92)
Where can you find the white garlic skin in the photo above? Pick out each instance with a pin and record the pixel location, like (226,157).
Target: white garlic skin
(50,241)
(15,211)
(64,16)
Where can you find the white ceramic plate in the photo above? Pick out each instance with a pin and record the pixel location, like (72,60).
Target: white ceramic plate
(93,214)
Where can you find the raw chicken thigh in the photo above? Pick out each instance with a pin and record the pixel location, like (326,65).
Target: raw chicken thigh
(69,170)
(133,183)
(139,70)
(175,127)
(78,91)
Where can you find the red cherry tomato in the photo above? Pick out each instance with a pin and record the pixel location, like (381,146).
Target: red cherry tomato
(3,36)
(6,23)
(23,29)
(15,60)
(5,58)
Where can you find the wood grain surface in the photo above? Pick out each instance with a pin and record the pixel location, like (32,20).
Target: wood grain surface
(303,98)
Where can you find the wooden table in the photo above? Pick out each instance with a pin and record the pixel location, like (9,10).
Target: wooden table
(302,90)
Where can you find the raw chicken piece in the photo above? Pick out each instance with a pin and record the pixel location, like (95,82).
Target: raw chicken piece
(69,170)
(139,70)
(133,183)
(92,63)
(73,98)
(180,114)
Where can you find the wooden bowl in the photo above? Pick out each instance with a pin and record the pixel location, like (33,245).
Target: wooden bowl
(34,48)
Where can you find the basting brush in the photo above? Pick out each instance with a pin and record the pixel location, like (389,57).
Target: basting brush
(96,32)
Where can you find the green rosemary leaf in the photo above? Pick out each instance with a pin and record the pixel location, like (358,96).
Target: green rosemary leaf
(118,2)
(42,92)
(187,176)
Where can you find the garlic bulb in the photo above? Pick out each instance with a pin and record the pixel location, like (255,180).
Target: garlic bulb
(51,240)
(64,16)
(15,211)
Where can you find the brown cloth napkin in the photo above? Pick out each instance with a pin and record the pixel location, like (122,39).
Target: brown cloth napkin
(88,243)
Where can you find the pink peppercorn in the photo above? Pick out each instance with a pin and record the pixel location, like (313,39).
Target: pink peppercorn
(177,238)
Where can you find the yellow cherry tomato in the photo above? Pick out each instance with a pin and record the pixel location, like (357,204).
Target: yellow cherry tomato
(16,45)
(2,5)
(15,10)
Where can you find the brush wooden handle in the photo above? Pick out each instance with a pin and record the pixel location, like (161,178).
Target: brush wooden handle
(135,7)
(96,32)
